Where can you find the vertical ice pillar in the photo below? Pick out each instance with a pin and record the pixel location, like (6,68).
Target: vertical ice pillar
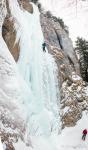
(38,71)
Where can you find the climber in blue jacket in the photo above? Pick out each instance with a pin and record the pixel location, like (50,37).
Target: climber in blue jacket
(44,46)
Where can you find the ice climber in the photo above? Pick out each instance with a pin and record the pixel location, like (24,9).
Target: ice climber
(84,134)
(44,46)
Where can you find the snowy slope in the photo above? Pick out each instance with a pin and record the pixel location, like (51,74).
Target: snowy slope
(69,139)
(1,146)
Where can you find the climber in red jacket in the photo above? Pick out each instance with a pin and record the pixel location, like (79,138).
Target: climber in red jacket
(84,134)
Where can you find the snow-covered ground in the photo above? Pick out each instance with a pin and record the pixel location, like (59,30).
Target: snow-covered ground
(1,146)
(69,139)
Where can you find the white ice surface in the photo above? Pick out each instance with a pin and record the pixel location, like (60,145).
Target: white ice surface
(38,70)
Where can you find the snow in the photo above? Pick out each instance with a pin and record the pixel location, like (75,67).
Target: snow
(10,96)
(1,146)
(65,109)
(75,77)
(86,90)
(69,139)
(10,93)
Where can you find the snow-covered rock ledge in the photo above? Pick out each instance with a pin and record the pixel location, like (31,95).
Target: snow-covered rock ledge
(74,100)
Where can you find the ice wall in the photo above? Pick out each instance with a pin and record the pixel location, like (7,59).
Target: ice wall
(38,70)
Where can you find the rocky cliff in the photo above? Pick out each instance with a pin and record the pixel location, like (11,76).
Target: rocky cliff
(73,95)
(60,45)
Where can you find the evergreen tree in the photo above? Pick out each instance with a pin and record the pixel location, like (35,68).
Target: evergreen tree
(82,48)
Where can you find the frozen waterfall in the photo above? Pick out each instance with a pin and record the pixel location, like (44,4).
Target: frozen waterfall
(38,69)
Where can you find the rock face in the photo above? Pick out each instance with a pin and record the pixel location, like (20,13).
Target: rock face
(73,97)
(60,45)
(26,5)
(9,36)
(74,102)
